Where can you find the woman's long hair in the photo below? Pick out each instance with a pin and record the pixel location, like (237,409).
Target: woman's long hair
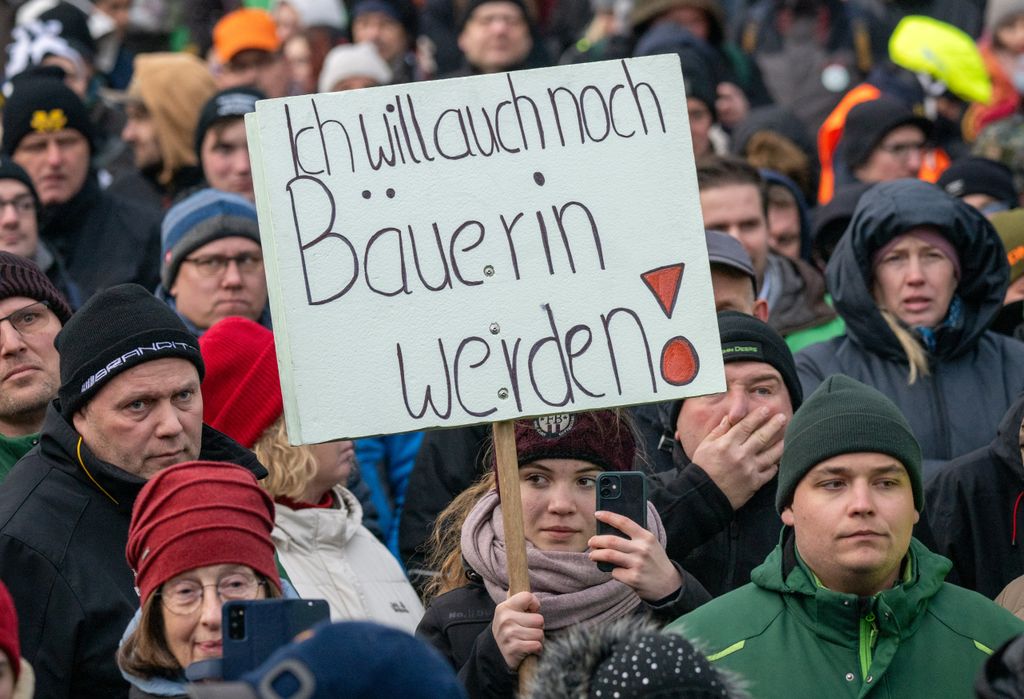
(289,468)
(917,356)
(445,544)
(145,652)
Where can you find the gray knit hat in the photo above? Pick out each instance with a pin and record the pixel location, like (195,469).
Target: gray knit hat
(844,416)
(202,218)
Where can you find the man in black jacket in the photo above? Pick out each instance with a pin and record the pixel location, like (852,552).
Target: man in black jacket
(103,240)
(128,406)
(718,504)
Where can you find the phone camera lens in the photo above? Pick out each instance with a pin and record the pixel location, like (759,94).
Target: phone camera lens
(606,491)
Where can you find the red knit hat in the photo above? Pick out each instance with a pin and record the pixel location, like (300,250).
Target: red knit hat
(195,514)
(600,437)
(241,389)
(9,644)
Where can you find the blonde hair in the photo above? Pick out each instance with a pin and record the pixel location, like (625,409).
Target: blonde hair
(917,356)
(444,552)
(290,468)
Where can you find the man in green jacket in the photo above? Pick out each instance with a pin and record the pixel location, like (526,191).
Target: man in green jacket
(32,312)
(848,604)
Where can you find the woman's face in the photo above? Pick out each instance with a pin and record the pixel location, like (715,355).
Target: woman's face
(334,461)
(191,605)
(915,281)
(558,503)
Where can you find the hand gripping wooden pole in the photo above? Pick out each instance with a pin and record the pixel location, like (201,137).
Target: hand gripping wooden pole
(512,515)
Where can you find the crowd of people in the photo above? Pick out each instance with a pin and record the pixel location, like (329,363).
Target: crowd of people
(841,520)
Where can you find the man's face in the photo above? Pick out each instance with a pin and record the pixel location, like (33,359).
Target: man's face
(496,37)
(748,386)
(852,516)
(384,31)
(57,162)
(29,363)
(737,209)
(898,155)
(783,222)
(225,156)
(140,133)
(700,126)
(19,228)
(265,70)
(146,418)
(205,294)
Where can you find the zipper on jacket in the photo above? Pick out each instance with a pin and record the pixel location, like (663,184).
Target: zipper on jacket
(868,634)
(734,535)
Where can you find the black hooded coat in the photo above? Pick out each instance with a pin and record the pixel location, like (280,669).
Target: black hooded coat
(974,374)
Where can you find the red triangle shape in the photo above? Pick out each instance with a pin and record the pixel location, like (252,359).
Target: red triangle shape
(664,284)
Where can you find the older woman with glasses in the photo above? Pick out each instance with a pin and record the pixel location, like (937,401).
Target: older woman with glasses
(199,536)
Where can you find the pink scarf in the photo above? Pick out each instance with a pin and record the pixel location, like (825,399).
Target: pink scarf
(569,586)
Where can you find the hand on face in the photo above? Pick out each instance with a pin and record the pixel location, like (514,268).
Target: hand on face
(518,628)
(640,561)
(741,458)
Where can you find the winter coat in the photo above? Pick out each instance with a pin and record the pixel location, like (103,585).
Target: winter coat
(795,292)
(103,240)
(458,624)
(790,637)
(970,365)
(385,463)
(64,518)
(448,462)
(1012,597)
(326,553)
(972,511)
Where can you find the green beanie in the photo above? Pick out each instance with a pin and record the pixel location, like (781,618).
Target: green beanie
(844,416)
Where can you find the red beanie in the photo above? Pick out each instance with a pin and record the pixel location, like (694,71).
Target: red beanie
(195,514)
(600,437)
(9,644)
(241,389)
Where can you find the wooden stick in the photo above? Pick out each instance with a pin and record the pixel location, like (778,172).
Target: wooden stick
(512,515)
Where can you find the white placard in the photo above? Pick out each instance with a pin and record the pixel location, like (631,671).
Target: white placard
(484,248)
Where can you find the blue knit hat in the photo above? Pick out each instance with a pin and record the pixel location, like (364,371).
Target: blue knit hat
(202,218)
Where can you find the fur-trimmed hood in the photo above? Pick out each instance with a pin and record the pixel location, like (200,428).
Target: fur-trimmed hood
(587,658)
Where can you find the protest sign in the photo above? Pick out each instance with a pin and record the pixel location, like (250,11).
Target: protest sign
(484,248)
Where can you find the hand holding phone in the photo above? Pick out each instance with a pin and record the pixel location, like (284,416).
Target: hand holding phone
(624,493)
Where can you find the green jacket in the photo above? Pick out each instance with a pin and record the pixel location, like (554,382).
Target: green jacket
(12,449)
(790,637)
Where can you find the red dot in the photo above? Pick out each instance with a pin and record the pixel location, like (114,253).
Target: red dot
(679,362)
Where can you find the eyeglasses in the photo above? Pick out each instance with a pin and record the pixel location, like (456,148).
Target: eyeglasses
(903,150)
(185,596)
(29,319)
(23,204)
(215,265)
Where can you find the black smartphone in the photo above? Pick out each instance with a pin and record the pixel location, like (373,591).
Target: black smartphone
(253,629)
(624,493)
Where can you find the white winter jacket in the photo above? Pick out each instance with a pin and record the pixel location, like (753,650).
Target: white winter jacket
(328,554)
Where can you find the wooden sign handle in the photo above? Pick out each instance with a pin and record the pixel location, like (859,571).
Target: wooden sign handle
(512,514)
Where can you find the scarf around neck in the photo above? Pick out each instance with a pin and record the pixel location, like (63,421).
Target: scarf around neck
(568,584)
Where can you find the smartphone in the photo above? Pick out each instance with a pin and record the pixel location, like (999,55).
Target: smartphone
(254,629)
(624,493)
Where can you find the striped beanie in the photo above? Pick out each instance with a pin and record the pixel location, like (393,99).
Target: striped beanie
(202,218)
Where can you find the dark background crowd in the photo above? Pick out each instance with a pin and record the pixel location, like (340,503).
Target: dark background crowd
(861,173)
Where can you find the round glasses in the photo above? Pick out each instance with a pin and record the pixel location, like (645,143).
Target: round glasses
(184,597)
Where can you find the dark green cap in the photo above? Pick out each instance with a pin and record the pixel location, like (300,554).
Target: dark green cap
(844,416)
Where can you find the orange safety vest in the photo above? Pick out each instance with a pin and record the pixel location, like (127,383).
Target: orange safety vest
(934,162)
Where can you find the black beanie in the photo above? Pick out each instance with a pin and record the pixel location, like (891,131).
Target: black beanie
(470,7)
(844,416)
(976,175)
(746,339)
(21,277)
(10,170)
(868,123)
(43,105)
(234,102)
(117,329)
